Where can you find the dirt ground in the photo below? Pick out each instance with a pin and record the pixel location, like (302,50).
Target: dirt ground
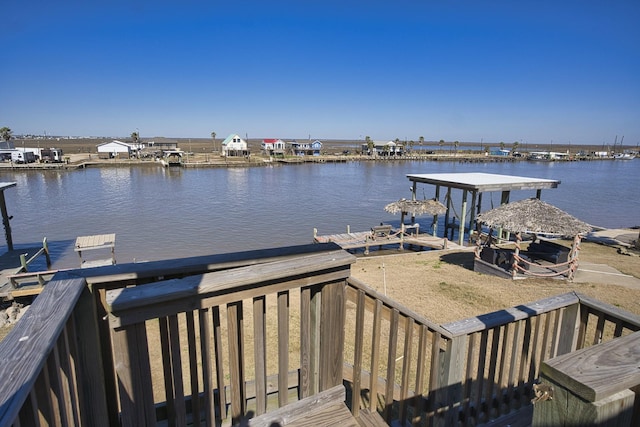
(443,287)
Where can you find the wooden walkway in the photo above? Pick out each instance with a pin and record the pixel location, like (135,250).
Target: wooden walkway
(365,239)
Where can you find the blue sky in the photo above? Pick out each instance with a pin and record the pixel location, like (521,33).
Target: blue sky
(540,72)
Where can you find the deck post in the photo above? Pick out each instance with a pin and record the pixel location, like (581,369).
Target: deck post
(94,409)
(5,220)
(592,386)
(332,315)
(435,217)
(504,199)
(446,215)
(449,389)
(414,188)
(45,246)
(463,219)
(472,217)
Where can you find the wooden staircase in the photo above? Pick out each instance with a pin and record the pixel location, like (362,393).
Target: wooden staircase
(326,408)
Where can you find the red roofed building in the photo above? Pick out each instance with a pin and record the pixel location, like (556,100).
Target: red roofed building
(273,146)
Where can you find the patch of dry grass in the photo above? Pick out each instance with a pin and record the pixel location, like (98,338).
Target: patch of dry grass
(443,287)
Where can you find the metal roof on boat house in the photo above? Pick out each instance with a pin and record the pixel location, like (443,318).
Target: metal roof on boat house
(482,182)
(475,183)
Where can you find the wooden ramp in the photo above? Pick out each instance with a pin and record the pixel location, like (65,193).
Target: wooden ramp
(366,240)
(11,266)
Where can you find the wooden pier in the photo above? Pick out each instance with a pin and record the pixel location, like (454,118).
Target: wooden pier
(15,279)
(380,236)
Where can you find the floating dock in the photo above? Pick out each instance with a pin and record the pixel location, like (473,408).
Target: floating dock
(96,242)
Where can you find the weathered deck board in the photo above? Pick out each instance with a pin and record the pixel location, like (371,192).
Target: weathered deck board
(326,408)
(363,239)
(31,341)
(600,371)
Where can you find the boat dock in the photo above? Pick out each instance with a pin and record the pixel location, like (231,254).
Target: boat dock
(380,236)
(15,279)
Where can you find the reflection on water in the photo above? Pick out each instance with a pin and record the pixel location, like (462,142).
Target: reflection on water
(160,213)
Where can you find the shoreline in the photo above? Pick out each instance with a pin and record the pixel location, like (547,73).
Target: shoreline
(209,160)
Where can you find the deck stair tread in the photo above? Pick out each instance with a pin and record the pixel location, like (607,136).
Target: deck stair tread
(366,418)
(326,408)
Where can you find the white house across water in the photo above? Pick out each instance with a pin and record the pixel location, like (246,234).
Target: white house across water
(115,149)
(233,145)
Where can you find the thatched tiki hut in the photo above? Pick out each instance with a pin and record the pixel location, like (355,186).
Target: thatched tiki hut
(415,208)
(533,216)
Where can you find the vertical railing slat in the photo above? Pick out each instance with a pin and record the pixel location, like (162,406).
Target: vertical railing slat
(391,365)
(480,380)
(434,373)
(163,330)
(516,343)
(358,349)
(375,355)
(218,351)
(525,354)
(283,348)
(55,390)
(176,368)
(534,361)
(491,376)
(204,318)
(260,353)
(557,320)
(193,369)
(43,397)
(420,373)
(598,333)
(406,367)
(469,376)
(304,385)
(236,361)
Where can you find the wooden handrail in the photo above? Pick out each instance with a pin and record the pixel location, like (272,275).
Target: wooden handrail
(509,315)
(630,320)
(135,304)
(24,351)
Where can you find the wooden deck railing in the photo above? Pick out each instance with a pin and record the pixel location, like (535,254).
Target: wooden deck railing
(467,372)
(47,374)
(215,340)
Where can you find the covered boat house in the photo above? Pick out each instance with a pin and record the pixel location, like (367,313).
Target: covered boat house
(474,184)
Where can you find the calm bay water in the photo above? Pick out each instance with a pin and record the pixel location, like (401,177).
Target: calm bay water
(160,213)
